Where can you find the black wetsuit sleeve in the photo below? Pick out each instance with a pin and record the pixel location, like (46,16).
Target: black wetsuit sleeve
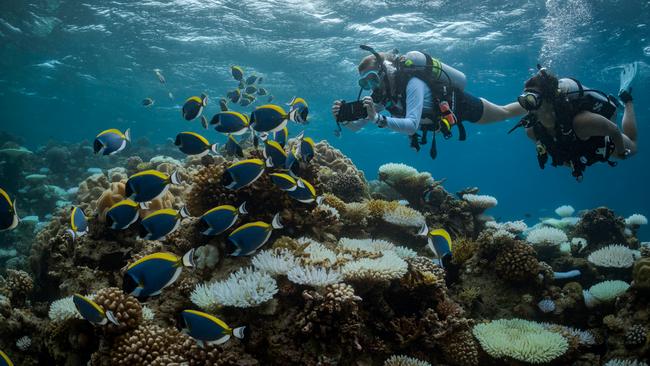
(468,107)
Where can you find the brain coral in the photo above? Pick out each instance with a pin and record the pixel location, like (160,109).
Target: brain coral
(521,340)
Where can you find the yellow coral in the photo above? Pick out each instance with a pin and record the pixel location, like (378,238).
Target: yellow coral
(464,249)
(377,208)
(333,201)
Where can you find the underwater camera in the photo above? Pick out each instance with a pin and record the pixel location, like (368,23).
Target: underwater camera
(351,111)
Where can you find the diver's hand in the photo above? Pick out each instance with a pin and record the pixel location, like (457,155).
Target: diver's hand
(370,108)
(336,107)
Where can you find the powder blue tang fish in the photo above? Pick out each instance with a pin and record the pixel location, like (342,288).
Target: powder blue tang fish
(230,122)
(111,141)
(191,143)
(246,239)
(149,275)
(242,173)
(149,185)
(161,223)
(92,312)
(193,107)
(268,118)
(274,154)
(78,223)
(8,217)
(305,192)
(4,360)
(233,148)
(299,111)
(122,214)
(209,330)
(284,181)
(281,137)
(220,219)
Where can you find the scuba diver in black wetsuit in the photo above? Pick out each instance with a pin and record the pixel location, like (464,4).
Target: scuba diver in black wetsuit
(421,94)
(575,125)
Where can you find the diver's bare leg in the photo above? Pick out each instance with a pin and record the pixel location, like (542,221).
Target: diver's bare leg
(629,128)
(495,113)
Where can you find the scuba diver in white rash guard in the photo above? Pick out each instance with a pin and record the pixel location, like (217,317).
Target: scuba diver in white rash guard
(421,94)
(576,125)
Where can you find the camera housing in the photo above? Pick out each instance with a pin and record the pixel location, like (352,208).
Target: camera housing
(351,111)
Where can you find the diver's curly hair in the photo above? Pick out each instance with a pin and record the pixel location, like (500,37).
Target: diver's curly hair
(546,83)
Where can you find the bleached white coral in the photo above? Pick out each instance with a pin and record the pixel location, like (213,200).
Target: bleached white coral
(614,256)
(620,362)
(329,209)
(318,253)
(579,242)
(515,227)
(368,245)
(392,173)
(585,337)
(608,290)
(244,288)
(546,236)
(314,276)
(23,343)
(404,216)
(387,267)
(546,305)
(565,211)
(404,252)
(503,233)
(63,309)
(147,314)
(636,220)
(520,339)
(399,360)
(480,201)
(274,262)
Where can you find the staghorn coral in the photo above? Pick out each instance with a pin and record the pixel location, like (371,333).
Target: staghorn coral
(274,261)
(518,264)
(314,276)
(521,340)
(243,288)
(126,309)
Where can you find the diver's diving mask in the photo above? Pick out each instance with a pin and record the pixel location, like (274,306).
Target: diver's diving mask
(370,80)
(530,100)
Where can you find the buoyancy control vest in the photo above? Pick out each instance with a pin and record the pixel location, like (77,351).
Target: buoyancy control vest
(444,81)
(565,148)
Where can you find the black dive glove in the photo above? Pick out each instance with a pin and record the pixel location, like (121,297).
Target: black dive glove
(625,96)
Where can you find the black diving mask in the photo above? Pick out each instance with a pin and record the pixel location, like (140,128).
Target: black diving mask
(530,100)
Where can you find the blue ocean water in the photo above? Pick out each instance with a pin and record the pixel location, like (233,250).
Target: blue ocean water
(69,69)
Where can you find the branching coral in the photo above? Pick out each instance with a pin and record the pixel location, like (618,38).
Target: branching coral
(521,340)
(404,216)
(274,261)
(125,308)
(149,345)
(243,288)
(406,180)
(480,203)
(314,276)
(387,267)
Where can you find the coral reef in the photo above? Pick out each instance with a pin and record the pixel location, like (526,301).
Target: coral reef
(347,281)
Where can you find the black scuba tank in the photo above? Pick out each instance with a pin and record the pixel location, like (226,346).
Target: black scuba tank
(586,99)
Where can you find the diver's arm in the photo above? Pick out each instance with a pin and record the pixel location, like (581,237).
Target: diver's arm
(496,113)
(415,90)
(588,124)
